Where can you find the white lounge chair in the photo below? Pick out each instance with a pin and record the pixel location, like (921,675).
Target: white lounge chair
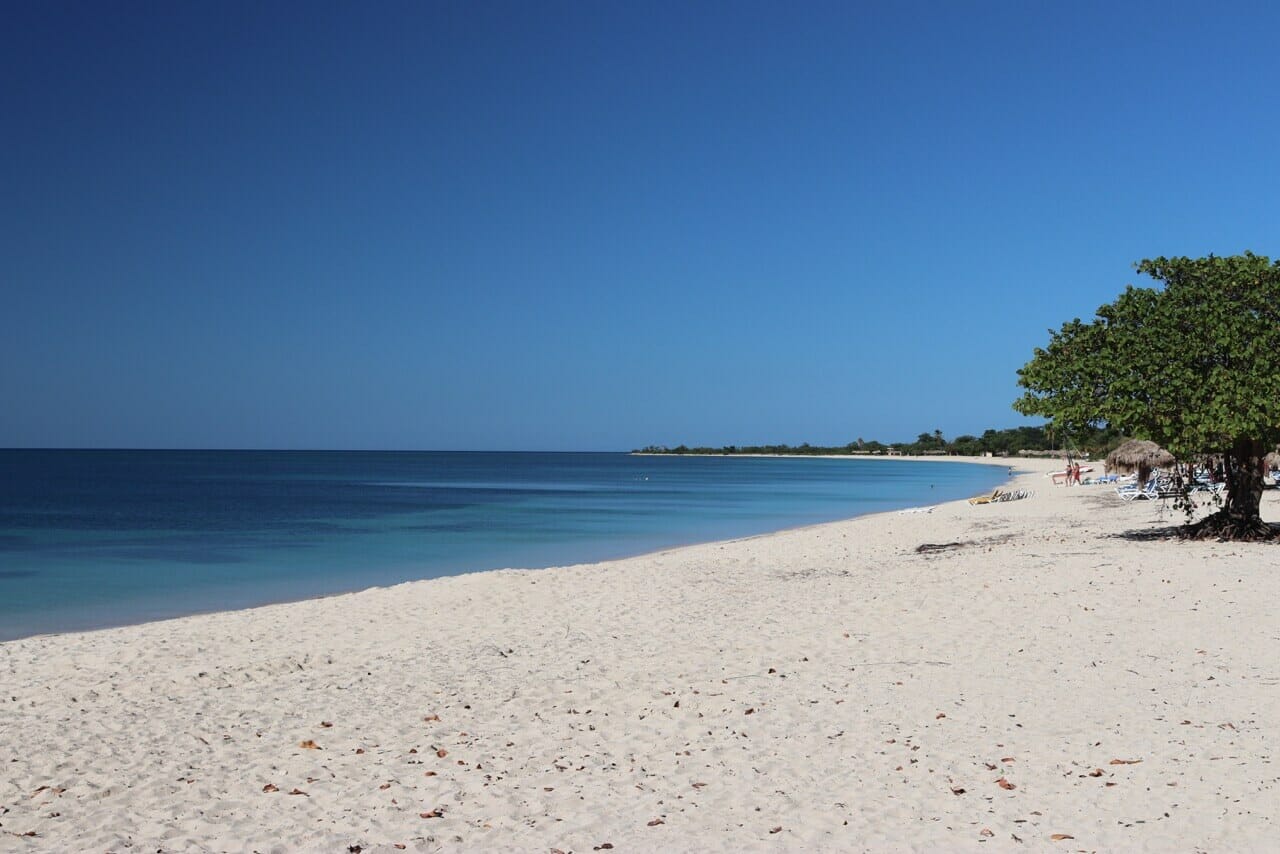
(1149,490)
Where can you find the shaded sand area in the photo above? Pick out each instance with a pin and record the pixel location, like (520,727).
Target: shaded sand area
(829,688)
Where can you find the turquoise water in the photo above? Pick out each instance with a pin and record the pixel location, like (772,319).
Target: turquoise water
(100,538)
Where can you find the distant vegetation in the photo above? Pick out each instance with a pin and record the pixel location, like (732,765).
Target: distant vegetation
(1010,442)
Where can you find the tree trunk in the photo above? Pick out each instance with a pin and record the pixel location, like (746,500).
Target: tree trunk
(1241,518)
(1245,480)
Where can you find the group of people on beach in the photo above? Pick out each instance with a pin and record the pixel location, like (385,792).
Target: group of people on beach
(1072,473)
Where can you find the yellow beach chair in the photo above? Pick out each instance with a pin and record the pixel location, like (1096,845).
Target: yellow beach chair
(986,499)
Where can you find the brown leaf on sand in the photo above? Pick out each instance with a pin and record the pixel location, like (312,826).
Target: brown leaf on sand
(325,724)
(957,790)
(299,792)
(1096,772)
(986,831)
(699,785)
(1125,761)
(308,745)
(400,845)
(1006,759)
(442,753)
(435,813)
(271,787)
(990,766)
(56,790)
(656,822)
(359,750)
(777,829)
(939,716)
(1058,837)
(429,774)
(1005,784)
(430,718)
(385,786)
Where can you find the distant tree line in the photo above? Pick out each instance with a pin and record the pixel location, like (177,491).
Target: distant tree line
(1008,442)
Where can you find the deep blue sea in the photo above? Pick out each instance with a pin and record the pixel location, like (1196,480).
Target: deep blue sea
(100,538)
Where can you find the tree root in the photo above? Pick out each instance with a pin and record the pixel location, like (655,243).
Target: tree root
(1225,526)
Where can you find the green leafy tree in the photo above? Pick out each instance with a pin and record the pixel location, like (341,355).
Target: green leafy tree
(1194,366)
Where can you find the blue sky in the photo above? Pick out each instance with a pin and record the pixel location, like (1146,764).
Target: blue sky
(595,225)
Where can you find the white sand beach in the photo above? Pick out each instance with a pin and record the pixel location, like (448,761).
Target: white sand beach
(1047,684)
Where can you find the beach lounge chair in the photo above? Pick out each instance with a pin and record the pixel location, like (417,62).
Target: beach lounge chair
(1156,487)
(1001,495)
(1015,495)
(1131,492)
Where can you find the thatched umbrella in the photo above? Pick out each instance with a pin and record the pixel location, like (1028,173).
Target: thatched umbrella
(1139,455)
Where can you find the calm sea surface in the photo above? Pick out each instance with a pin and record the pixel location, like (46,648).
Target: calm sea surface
(101,538)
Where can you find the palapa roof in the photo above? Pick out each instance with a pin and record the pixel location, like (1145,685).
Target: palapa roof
(1138,454)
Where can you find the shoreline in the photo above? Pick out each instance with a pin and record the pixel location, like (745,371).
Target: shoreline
(518,568)
(827,686)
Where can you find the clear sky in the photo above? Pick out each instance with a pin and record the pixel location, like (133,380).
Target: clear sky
(595,225)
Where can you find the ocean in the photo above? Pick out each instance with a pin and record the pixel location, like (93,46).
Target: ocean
(90,539)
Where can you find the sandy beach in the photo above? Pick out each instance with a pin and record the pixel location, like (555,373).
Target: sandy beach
(1056,676)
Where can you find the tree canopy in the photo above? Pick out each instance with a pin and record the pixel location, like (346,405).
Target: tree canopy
(1193,365)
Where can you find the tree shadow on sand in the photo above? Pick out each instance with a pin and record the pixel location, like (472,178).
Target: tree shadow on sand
(1176,533)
